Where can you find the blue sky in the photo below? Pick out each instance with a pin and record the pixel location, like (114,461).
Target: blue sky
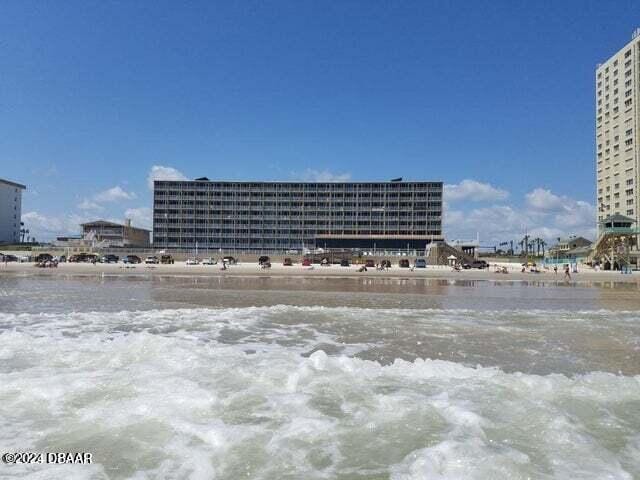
(495,98)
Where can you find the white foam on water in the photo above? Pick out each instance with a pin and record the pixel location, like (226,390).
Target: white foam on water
(202,394)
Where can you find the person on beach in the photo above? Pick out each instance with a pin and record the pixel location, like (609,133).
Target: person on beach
(567,274)
(555,269)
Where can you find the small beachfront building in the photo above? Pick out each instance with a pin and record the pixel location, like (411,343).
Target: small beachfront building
(115,234)
(572,249)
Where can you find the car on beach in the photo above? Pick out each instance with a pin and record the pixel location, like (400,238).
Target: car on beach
(83,258)
(480,264)
(166,260)
(8,258)
(287,262)
(263,259)
(209,261)
(192,261)
(110,258)
(306,262)
(43,257)
(404,263)
(369,263)
(230,260)
(344,262)
(420,263)
(152,260)
(131,259)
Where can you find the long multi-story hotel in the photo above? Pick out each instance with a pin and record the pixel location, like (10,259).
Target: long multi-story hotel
(617,140)
(296,215)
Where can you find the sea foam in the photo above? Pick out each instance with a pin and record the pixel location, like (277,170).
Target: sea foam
(203,394)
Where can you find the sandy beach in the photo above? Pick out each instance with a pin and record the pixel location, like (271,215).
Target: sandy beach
(252,269)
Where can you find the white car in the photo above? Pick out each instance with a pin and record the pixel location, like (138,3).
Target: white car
(209,261)
(152,259)
(193,261)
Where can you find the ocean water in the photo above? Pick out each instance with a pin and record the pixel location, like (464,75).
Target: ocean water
(430,384)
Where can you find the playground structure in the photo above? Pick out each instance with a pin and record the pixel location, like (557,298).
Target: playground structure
(614,249)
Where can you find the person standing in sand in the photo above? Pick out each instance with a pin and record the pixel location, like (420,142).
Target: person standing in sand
(567,275)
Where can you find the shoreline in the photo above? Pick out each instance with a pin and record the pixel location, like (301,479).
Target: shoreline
(333,271)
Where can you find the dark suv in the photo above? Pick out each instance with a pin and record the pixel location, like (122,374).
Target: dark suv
(131,259)
(481,264)
(110,258)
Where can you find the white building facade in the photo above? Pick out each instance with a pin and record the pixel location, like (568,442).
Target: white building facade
(10,211)
(617,140)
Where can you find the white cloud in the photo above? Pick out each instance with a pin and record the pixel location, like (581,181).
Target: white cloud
(544,214)
(474,191)
(89,205)
(140,217)
(159,172)
(114,194)
(47,227)
(543,199)
(311,175)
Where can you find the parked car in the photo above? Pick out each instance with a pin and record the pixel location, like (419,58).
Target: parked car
(481,264)
(403,263)
(369,263)
(420,263)
(131,259)
(43,257)
(344,262)
(61,258)
(83,257)
(152,259)
(110,258)
(8,258)
(263,259)
(166,259)
(287,262)
(193,261)
(209,261)
(230,260)
(293,251)
(306,262)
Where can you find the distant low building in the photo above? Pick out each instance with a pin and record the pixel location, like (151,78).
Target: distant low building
(573,249)
(569,243)
(110,234)
(10,211)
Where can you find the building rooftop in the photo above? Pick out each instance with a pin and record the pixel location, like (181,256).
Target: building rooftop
(572,239)
(617,218)
(394,181)
(13,184)
(105,223)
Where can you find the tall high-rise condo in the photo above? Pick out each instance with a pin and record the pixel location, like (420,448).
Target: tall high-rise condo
(617,140)
(10,211)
